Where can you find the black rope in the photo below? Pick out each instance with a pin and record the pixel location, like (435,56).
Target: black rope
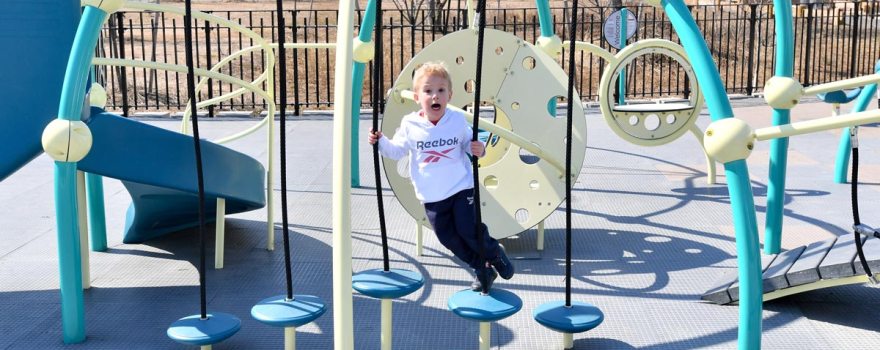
(481,15)
(569,111)
(282,90)
(378,74)
(854,138)
(191,92)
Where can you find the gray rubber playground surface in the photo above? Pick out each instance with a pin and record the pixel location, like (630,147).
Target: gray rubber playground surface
(650,237)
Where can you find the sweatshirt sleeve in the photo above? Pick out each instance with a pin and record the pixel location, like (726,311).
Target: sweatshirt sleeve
(394,148)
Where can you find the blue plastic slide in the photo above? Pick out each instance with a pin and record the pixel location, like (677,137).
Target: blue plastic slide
(157,166)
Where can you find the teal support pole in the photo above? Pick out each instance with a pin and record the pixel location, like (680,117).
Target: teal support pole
(841,163)
(69,257)
(97,221)
(748,257)
(621,80)
(357,75)
(544,18)
(779,147)
(739,187)
(547,30)
(72,93)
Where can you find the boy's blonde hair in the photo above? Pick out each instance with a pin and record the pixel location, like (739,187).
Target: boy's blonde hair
(433,68)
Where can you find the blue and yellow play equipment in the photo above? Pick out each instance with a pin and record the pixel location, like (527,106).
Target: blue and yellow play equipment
(164,193)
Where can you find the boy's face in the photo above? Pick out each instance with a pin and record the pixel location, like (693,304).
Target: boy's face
(432,95)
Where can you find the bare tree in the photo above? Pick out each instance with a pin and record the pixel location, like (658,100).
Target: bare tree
(437,11)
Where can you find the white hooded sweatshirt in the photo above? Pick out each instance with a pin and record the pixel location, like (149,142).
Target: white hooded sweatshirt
(439,165)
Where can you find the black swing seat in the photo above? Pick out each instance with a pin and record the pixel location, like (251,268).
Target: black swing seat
(817,265)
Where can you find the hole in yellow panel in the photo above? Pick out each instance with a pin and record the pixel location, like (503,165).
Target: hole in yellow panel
(529,63)
(521,215)
(459,60)
(633,120)
(652,122)
(470,86)
(527,157)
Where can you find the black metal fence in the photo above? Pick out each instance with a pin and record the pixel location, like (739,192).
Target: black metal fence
(832,42)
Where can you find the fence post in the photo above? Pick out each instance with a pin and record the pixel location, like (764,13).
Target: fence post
(750,75)
(120,28)
(208,54)
(854,46)
(809,44)
(295,65)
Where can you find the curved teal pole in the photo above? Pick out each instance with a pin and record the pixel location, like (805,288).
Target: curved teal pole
(779,147)
(841,163)
(546,23)
(544,18)
(737,173)
(72,93)
(357,85)
(97,221)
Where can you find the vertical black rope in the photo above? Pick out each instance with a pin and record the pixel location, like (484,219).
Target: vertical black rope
(569,111)
(481,15)
(191,92)
(854,191)
(282,90)
(378,75)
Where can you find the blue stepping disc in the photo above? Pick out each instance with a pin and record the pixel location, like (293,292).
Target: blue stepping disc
(192,330)
(280,312)
(580,317)
(475,306)
(390,284)
(839,96)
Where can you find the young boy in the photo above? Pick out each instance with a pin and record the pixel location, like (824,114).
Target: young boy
(437,141)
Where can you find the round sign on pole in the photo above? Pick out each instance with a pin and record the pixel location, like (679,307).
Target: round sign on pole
(611,28)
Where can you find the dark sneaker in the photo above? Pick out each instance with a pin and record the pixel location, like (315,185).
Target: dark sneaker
(477,285)
(502,264)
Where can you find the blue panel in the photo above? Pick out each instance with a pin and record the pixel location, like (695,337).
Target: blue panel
(192,330)
(158,168)
(497,305)
(381,284)
(41,31)
(279,312)
(577,318)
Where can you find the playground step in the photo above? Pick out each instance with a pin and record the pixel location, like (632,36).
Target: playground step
(815,264)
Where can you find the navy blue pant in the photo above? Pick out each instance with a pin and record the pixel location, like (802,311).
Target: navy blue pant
(453,220)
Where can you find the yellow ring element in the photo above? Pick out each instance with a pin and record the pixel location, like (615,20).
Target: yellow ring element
(521,82)
(629,121)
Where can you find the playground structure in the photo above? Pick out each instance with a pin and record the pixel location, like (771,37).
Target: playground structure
(728,141)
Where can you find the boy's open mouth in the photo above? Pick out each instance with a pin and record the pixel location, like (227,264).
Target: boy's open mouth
(435,106)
